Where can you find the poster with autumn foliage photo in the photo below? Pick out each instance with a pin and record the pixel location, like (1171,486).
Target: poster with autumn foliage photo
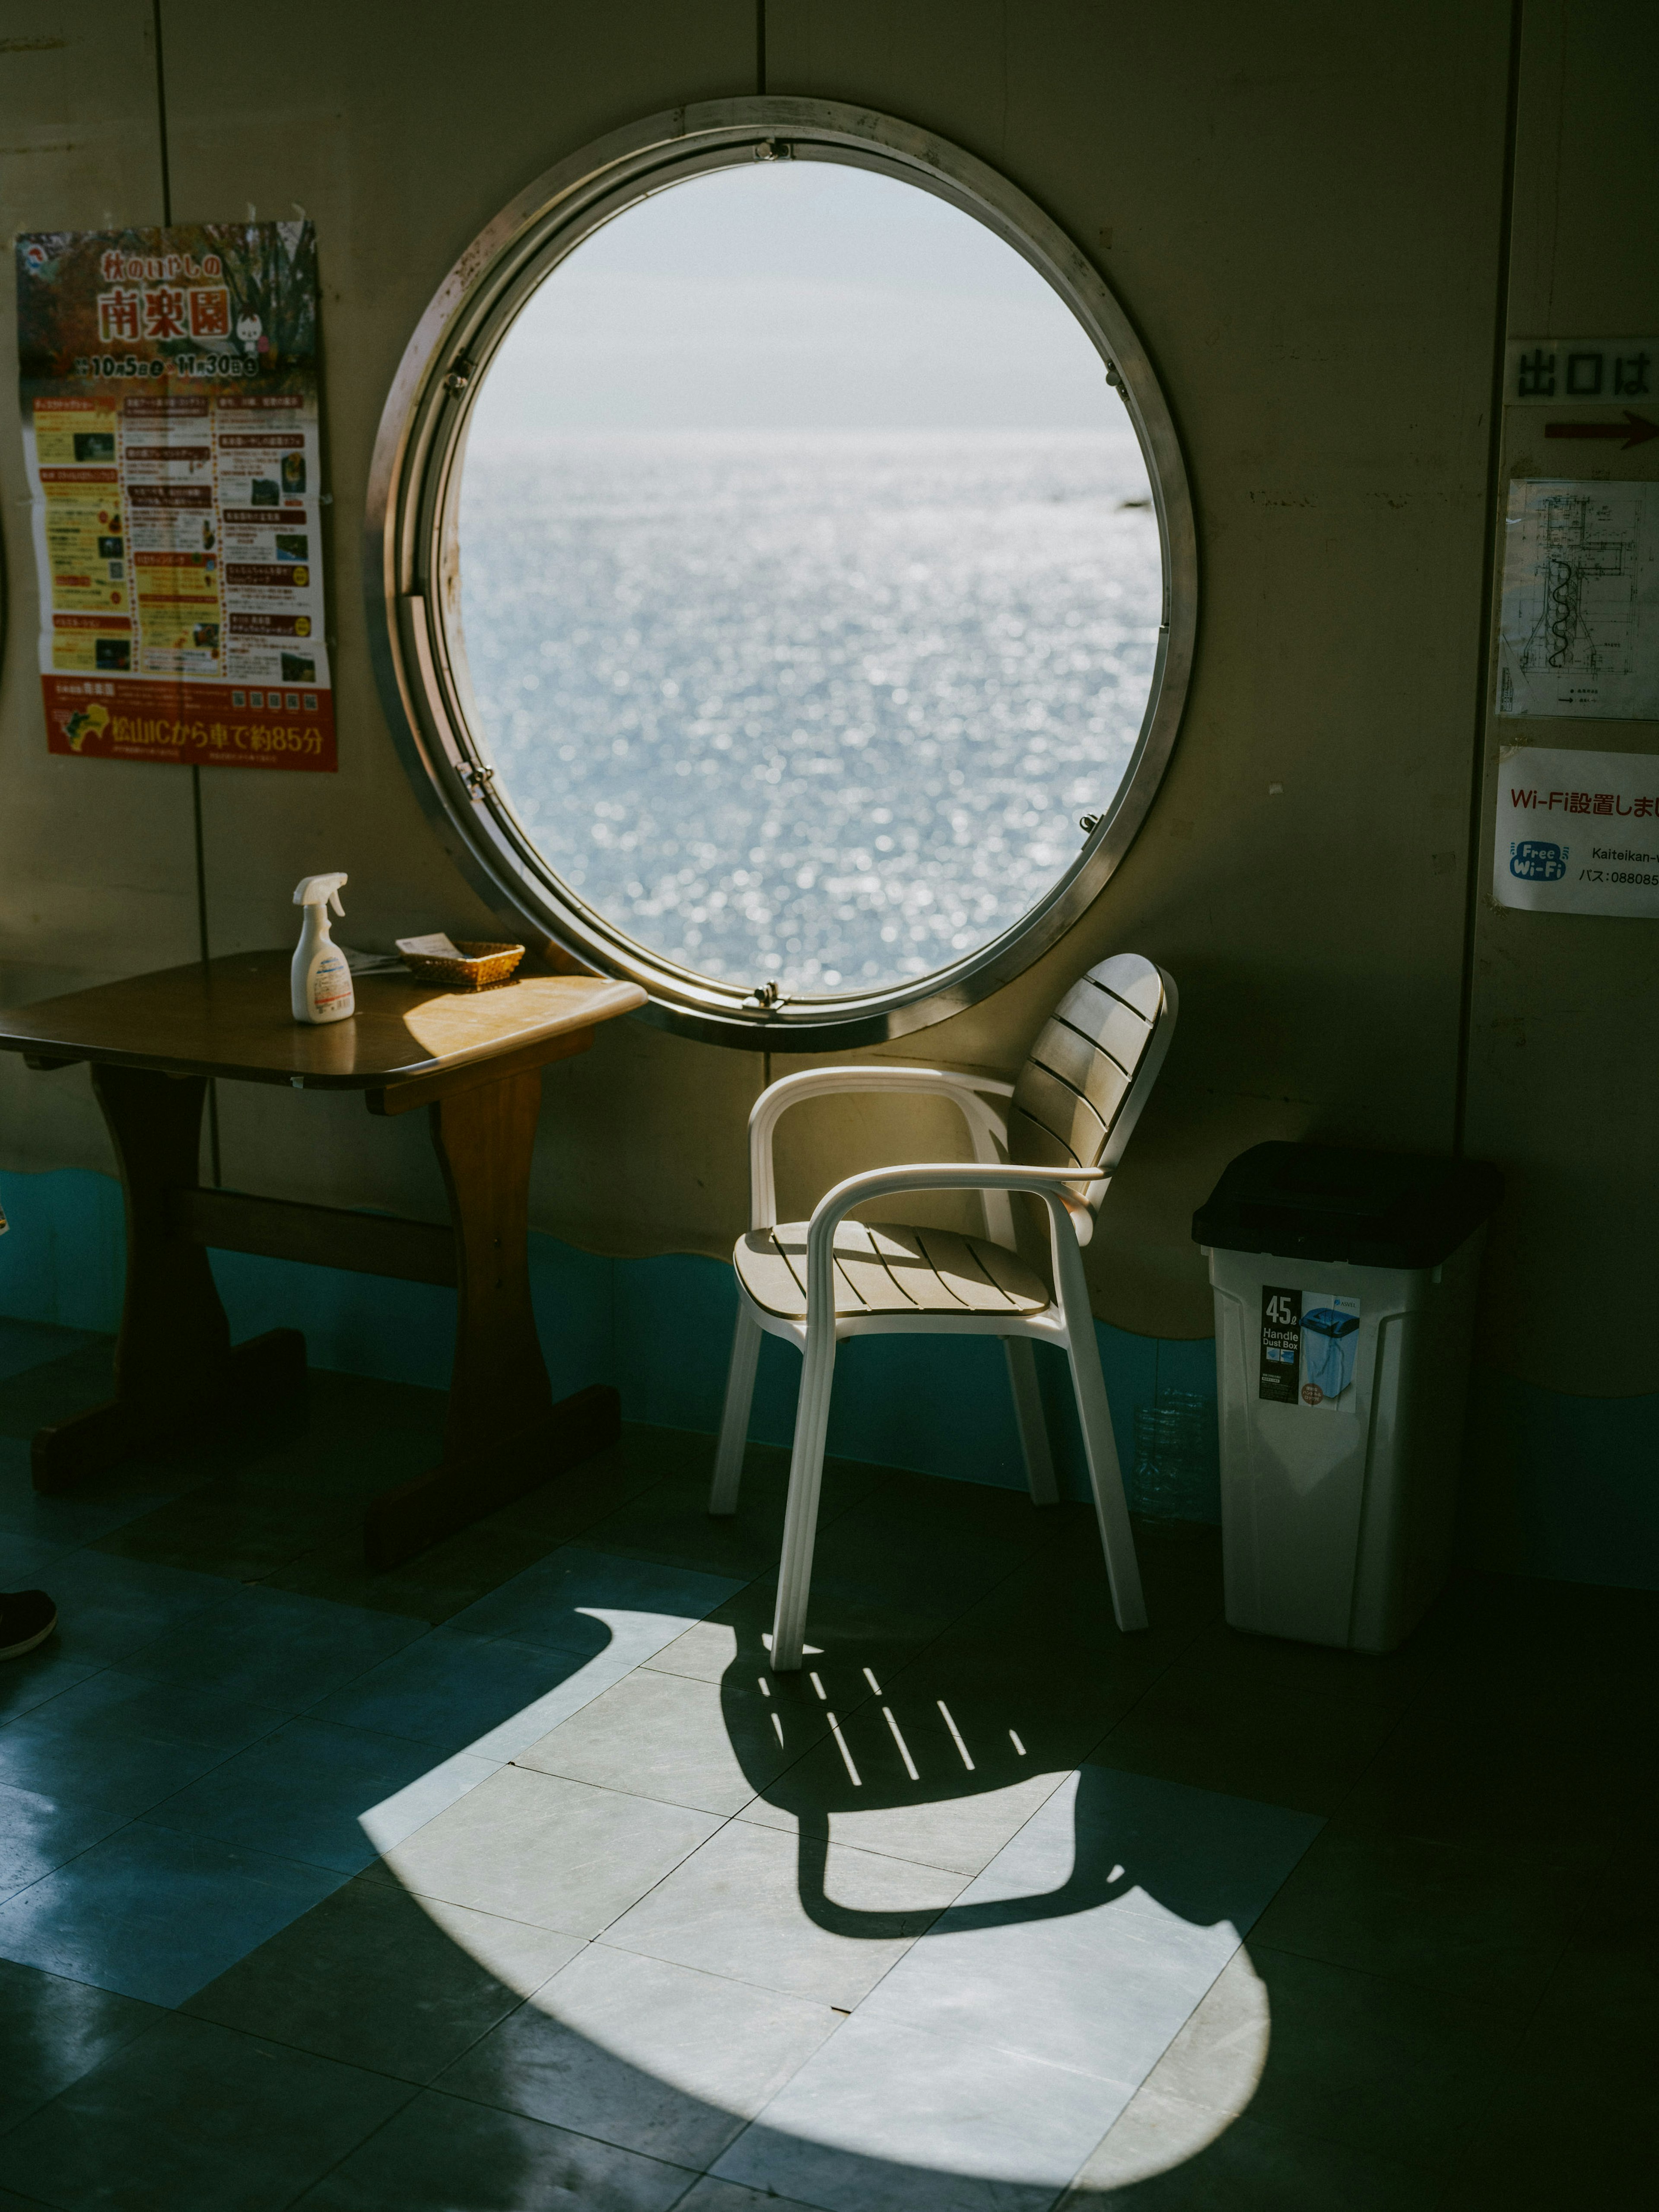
(170,435)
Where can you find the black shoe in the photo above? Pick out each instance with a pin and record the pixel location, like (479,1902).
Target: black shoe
(27,1618)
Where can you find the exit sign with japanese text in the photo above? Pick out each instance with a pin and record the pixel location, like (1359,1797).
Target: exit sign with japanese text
(1587,372)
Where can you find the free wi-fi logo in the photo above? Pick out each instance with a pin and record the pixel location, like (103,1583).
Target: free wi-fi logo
(1535,861)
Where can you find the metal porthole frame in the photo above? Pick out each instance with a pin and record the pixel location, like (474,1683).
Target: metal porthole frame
(411,570)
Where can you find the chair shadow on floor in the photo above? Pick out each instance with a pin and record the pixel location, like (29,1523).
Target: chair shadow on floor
(500,2103)
(390,2047)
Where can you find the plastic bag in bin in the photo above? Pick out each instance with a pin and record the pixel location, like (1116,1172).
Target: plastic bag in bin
(1329,1342)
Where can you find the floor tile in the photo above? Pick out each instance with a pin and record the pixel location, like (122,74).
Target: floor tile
(27,1562)
(379,1978)
(26,1343)
(38,1832)
(49,1390)
(588,1601)
(736,1908)
(194,2117)
(580,1500)
(1166,2156)
(1202,1726)
(117,1704)
(433,1587)
(299,1793)
(39,1675)
(108,1609)
(443,2152)
(1210,1859)
(684,1742)
(232,1528)
(654,2058)
(1519,1628)
(90,1511)
(848,1633)
(1041,1655)
(1319,2050)
(1559,2134)
(1463,1767)
(447,1689)
(915,1796)
(1610,1966)
(671,1521)
(1477,1924)
(396,1818)
(1218,2060)
(1092,1936)
(52,2032)
(1101,1992)
(709,2195)
(536,1848)
(886,2118)
(64,1786)
(153,1915)
(276,1648)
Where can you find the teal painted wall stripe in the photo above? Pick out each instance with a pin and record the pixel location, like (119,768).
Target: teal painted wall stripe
(1561,1487)
(658,1328)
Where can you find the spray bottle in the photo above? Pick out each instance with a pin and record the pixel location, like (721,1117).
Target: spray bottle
(321,978)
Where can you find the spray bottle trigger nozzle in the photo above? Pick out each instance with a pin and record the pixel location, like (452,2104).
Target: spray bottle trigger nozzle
(320,890)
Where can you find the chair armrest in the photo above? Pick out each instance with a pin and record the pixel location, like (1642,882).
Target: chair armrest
(1048,1184)
(987,1131)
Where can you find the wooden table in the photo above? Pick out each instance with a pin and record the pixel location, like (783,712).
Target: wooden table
(474,1060)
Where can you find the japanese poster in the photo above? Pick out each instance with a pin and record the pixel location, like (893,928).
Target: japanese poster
(1578,833)
(170,431)
(1579,625)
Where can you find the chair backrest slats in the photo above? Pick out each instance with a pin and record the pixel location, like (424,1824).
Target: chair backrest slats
(1112,1025)
(1035,1147)
(1092,1068)
(1063,1112)
(1091,1072)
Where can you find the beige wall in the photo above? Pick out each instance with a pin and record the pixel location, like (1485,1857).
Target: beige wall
(1304,208)
(1563,1047)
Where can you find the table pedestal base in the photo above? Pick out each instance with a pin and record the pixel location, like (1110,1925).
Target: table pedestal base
(262,1372)
(176,1369)
(402,1522)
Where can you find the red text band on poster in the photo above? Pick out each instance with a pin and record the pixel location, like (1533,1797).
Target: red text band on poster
(171,433)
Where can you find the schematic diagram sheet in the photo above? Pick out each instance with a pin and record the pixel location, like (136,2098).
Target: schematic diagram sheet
(171,437)
(1579,625)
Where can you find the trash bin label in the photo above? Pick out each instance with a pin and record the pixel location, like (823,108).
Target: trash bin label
(1281,1345)
(1309,1343)
(1330,1339)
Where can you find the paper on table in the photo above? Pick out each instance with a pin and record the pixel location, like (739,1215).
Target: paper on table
(366,963)
(437,946)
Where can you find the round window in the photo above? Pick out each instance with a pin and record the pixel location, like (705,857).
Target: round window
(791,572)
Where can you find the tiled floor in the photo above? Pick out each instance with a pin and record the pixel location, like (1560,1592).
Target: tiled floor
(512,1879)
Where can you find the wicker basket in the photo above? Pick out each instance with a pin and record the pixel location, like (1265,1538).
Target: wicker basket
(483,967)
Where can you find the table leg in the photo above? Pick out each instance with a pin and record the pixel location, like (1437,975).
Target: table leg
(175,1367)
(504,1435)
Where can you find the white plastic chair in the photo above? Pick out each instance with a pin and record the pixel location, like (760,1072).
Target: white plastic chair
(1077,1101)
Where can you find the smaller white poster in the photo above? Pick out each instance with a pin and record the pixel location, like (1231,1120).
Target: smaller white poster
(1330,1343)
(1578,833)
(1579,630)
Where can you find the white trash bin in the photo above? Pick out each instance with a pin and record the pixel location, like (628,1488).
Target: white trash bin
(1345,1286)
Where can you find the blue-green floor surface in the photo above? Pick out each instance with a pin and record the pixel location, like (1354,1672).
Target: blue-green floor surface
(513,1879)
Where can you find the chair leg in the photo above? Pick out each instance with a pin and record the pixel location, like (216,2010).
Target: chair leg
(734,1419)
(1028,1412)
(1106,1480)
(800,1520)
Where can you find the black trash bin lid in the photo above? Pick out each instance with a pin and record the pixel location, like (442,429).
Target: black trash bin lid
(1325,1202)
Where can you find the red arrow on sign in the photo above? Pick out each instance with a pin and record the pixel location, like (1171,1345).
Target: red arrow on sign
(1635,429)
